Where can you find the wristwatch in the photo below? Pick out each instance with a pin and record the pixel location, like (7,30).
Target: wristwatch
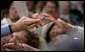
(10,29)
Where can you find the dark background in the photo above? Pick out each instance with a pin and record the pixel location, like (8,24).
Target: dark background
(5,4)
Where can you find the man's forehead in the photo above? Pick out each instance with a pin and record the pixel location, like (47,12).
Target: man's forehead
(50,3)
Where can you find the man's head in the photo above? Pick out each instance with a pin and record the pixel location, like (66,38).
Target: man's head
(30,5)
(4,13)
(39,6)
(13,13)
(51,6)
(64,6)
(54,31)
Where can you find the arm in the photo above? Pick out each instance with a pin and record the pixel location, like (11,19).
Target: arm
(20,25)
(19,47)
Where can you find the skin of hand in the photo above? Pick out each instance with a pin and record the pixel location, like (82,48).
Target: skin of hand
(23,24)
(60,22)
(12,46)
(42,17)
(29,48)
(67,26)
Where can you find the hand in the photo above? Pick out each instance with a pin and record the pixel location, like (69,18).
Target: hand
(23,24)
(60,23)
(42,17)
(22,47)
(66,26)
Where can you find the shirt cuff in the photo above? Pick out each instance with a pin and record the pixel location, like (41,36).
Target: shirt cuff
(5,30)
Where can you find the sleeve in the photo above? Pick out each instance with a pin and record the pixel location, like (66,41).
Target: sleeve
(75,39)
(5,30)
(72,41)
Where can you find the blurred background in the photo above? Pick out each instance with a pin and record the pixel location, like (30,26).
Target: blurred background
(75,10)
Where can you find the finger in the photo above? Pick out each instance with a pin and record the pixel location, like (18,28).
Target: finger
(16,43)
(12,39)
(8,49)
(45,14)
(50,18)
(66,25)
(9,45)
(62,22)
(31,26)
(23,18)
(32,21)
(29,48)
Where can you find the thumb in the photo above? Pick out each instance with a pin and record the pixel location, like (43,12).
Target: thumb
(31,21)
